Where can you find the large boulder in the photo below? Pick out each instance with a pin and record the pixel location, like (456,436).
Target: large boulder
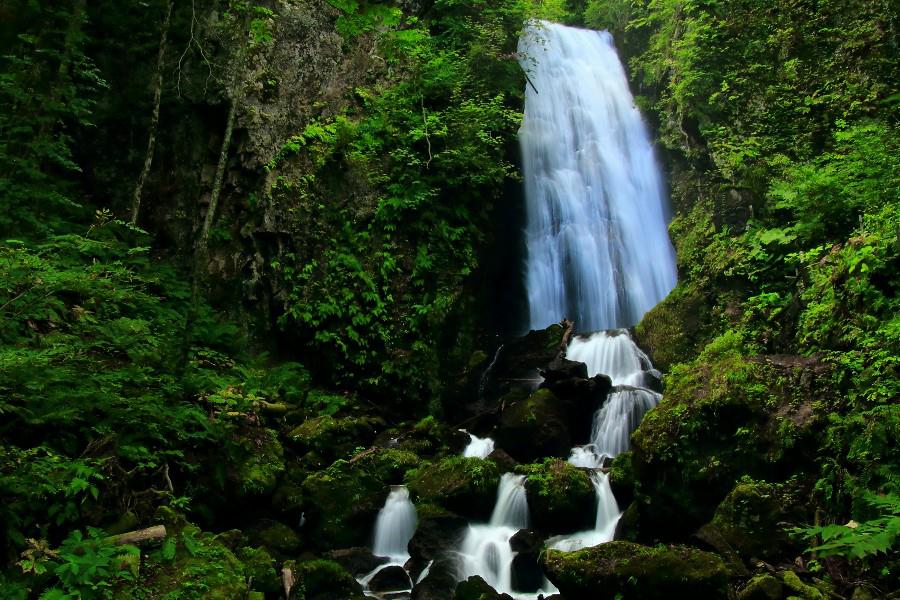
(341,503)
(437,531)
(277,538)
(439,583)
(325,580)
(535,426)
(561,497)
(357,561)
(629,571)
(327,438)
(724,416)
(466,486)
(392,578)
(526,572)
(748,522)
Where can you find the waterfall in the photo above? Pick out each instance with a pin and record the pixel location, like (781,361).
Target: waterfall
(597,252)
(478,447)
(596,242)
(395,526)
(485,550)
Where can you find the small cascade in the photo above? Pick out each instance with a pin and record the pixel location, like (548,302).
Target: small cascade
(611,353)
(395,526)
(619,417)
(485,550)
(478,447)
(604,524)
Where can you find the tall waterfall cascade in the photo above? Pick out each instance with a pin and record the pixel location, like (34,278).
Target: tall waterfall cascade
(597,252)
(597,247)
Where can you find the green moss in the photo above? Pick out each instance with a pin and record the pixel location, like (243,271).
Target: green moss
(330,438)
(260,565)
(797,588)
(277,537)
(463,485)
(633,572)
(258,471)
(341,502)
(561,496)
(762,587)
(326,580)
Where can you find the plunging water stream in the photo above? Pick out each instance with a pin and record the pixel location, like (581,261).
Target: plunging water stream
(597,252)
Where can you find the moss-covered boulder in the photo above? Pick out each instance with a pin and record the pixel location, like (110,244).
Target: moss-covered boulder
(327,438)
(724,416)
(325,580)
(192,563)
(277,538)
(341,503)
(258,464)
(466,486)
(677,328)
(630,571)
(535,426)
(561,497)
(748,521)
(259,564)
(796,588)
(762,587)
(428,438)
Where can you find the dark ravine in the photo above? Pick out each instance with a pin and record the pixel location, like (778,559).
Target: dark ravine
(330,281)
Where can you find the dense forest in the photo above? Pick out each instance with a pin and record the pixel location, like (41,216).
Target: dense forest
(259,258)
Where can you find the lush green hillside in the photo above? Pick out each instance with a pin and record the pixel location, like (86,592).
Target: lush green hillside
(251,255)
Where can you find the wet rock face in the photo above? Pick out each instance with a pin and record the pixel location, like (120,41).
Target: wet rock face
(526,573)
(357,561)
(476,588)
(439,583)
(390,579)
(634,572)
(325,580)
(534,427)
(438,530)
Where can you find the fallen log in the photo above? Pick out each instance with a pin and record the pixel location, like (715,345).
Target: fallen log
(141,536)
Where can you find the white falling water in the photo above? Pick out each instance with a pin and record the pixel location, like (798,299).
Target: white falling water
(478,447)
(598,250)
(395,526)
(604,524)
(485,550)
(611,353)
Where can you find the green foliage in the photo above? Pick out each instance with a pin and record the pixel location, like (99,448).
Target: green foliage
(48,90)
(857,541)
(84,567)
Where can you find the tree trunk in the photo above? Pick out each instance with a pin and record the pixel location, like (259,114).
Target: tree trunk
(154,119)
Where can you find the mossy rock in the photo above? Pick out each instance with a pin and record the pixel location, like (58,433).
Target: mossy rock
(762,587)
(430,437)
(676,329)
(630,571)
(388,465)
(535,427)
(724,416)
(747,520)
(194,564)
(260,565)
(561,497)
(260,465)
(623,478)
(466,486)
(276,537)
(796,587)
(326,580)
(328,438)
(341,503)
